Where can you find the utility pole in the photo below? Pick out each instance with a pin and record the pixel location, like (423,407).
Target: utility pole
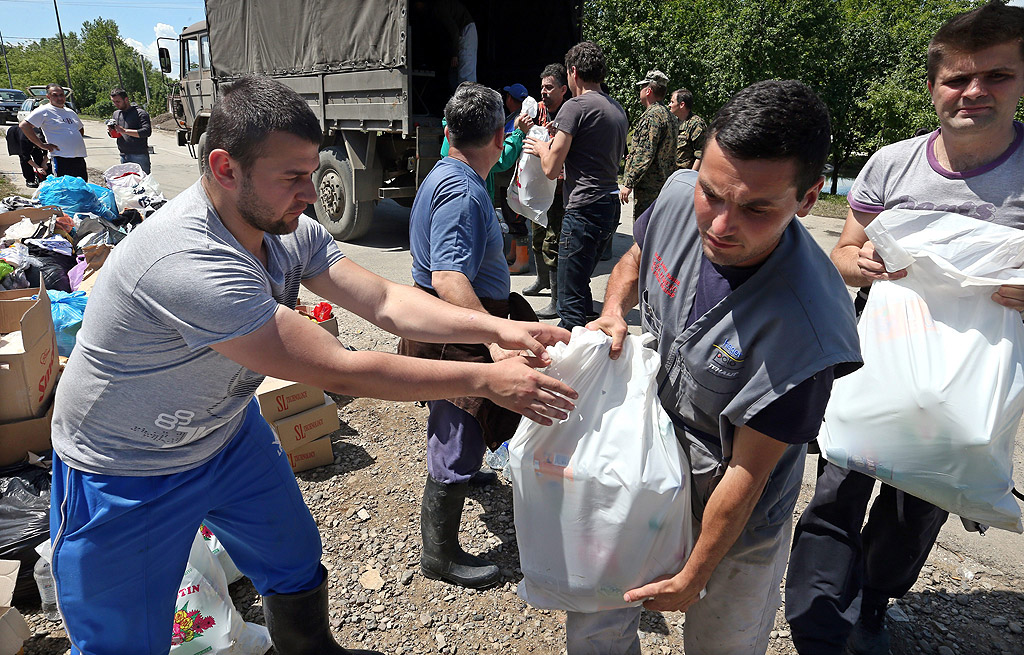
(3,47)
(145,78)
(110,40)
(67,69)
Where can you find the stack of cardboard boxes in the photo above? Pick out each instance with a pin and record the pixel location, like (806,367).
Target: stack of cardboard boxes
(303,417)
(28,373)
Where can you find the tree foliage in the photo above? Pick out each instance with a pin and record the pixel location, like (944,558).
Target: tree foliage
(91,63)
(866,58)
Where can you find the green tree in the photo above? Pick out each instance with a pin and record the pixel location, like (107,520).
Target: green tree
(93,73)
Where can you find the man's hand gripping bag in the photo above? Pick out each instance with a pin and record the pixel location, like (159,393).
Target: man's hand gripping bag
(602,499)
(935,409)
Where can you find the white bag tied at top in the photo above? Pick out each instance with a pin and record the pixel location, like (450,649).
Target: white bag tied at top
(602,499)
(530,193)
(133,188)
(935,409)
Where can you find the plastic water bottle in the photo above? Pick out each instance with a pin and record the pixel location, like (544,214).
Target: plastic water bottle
(47,589)
(498,459)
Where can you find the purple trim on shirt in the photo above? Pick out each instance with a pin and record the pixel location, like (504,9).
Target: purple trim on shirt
(934,163)
(861,207)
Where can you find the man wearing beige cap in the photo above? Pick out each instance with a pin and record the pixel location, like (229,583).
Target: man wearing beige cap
(652,148)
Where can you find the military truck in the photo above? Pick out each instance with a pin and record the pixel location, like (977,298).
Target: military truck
(375,72)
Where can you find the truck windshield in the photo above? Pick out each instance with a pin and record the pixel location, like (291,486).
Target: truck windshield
(204,52)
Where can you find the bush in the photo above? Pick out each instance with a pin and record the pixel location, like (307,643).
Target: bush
(101,109)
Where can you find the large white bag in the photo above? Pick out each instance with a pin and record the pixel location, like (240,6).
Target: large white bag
(133,188)
(530,193)
(205,619)
(602,499)
(934,411)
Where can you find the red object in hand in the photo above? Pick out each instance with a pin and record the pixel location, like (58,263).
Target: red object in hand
(322,312)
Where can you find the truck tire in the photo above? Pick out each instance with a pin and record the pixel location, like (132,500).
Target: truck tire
(336,207)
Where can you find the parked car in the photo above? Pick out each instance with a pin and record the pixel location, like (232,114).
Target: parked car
(36,97)
(10,103)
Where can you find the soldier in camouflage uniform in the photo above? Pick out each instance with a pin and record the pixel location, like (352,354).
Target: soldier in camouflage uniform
(692,130)
(652,148)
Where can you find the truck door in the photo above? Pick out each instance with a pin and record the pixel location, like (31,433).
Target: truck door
(196,75)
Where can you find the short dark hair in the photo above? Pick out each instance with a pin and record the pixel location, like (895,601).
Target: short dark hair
(588,60)
(989,25)
(54,85)
(251,108)
(777,119)
(473,115)
(556,71)
(684,97)
(118,91)
(659,90)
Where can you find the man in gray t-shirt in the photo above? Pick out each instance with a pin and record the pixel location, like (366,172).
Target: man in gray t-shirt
(972,165)
(590,139)
(155,429)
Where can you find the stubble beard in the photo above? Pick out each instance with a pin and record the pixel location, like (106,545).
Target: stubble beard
(256,213)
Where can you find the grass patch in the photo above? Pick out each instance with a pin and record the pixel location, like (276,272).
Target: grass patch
(831,206)
(7,187)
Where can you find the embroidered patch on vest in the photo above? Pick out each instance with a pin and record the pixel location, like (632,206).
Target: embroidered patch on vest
(726,360)
(668,284)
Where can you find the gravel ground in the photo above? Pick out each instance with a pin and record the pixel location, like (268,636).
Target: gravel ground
(367,507)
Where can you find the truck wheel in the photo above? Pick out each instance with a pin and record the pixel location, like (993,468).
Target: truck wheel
(336,206)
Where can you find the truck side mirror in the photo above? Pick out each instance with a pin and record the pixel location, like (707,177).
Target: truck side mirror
(165,60)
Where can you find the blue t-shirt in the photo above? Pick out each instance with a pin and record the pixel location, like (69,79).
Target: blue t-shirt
(795,416)
(453,227)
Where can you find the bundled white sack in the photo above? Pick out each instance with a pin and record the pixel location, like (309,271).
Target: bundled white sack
(530,193)
(934,411)
(132,188)
(602,499)
(205,619)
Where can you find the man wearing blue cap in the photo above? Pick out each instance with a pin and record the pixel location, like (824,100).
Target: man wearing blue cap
(514,96)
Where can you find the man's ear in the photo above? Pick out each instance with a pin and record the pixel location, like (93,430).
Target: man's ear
(499,137)
(224,170)
(810,198)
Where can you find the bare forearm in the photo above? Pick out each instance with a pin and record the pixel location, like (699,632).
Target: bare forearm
(726,515)
(30,133)
(622,293)
(417,315)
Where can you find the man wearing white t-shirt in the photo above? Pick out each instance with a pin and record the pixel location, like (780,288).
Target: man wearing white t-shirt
(63,131)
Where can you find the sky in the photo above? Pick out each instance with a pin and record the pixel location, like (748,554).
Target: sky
(140,21)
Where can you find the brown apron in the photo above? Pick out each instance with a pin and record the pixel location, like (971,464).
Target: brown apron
(497,423)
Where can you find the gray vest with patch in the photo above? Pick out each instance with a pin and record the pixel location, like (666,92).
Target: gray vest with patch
(790,320)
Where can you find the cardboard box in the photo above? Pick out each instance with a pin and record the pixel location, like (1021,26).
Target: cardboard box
(280,398)
(13,629)
(28,373)
(21,437)
(312,454)
(301,428)
(34,214)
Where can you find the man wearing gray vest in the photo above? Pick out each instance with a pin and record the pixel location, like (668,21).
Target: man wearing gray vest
(753,323)
(842,571)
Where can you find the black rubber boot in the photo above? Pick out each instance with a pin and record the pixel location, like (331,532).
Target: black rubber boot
(298,623)
(442,558)
(551,311)
(869,635)
(541,283)
(484,477)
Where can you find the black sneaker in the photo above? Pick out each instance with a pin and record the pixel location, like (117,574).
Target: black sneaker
(32,185)
(864,640)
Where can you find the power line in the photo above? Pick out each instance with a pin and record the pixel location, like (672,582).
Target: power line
(134,5)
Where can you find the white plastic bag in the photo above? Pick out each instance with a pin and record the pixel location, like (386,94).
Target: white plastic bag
(205,620)
(530,193)
(602,499)
(132,188)
(231,572)
(934,411)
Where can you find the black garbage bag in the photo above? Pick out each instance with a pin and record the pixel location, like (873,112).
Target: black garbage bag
(24,523)
(51,266)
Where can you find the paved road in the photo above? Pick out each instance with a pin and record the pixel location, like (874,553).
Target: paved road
(385,250)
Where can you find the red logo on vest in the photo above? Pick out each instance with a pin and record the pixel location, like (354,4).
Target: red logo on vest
(668,283)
